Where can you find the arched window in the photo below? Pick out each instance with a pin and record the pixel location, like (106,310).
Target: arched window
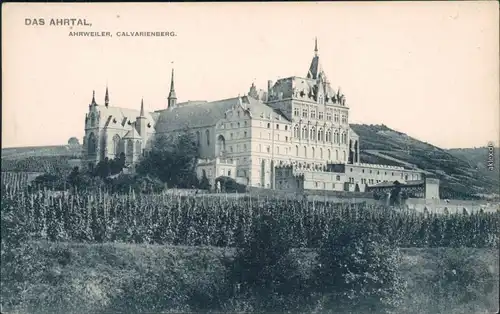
(221,144)
(329,136)
(296,131)
(312,133)
(313,152)
(304,132)
(344,138)
(92,148)
(337,137)
(344,156)
(116,144)
(130,147)
(296,150)
(305,151)
(92,120)
(207,134)
(336,154)
(329,154)
(138,147)
(320,134)
(198,138)
(321,153)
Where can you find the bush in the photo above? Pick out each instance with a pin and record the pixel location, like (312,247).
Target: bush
(464,280)
(124,183)
(358,270)
(229,185)
(265,271)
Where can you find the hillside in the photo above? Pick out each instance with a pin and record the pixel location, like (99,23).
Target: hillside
(459,172)
(40,158)
(41,151)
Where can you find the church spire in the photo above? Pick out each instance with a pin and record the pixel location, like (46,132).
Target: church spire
(106,97)
(172,98)
(315,46)
(142,107)
(93,98)
(315,71)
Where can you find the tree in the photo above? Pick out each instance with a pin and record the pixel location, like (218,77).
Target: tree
(173,159)
(204,183)
(73,141)
(358,270)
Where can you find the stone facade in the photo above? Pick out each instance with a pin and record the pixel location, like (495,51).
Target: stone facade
(288,136)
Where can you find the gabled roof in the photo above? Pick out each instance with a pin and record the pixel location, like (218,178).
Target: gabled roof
(122,116)
(132,134)
(352,133)
(205,114)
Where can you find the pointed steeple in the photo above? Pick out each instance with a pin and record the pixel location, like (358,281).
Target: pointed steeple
(172,98)
(106,97)
(142,107)
(315,71)
(315,46)
(93,98)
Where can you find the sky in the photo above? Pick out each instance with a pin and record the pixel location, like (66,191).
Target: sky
(428,69)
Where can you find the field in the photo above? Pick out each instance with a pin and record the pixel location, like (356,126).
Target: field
(88,252)
(108,278)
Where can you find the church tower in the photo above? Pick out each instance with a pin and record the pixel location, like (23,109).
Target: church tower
(141,121)
(91,140)
(106,98)
(172,98)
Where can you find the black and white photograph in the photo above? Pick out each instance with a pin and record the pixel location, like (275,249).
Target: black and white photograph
(251,157)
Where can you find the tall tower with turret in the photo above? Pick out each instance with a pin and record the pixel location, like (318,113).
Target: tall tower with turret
(91,140)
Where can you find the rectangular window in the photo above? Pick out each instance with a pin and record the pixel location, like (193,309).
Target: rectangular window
(296,112)
(313,114)
(304,113)
(320,115)
(329,116)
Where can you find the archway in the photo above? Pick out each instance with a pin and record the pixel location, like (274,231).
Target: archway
(221,145)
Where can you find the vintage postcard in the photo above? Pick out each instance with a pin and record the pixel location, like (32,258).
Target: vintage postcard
(338,157)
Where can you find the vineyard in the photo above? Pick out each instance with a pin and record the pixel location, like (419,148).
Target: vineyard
(187,220)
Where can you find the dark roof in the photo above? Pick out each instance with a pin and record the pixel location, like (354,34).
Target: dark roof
(205,114)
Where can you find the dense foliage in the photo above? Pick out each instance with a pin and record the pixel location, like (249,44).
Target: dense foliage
(173,160)
(210,220)
(48,164)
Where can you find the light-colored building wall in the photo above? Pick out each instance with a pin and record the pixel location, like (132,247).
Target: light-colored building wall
(300,121)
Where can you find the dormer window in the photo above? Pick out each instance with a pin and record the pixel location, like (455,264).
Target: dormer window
(129,122)
(114,120)
(149,125)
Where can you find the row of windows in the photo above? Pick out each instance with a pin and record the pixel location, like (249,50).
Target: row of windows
(277,126)
(233,125)
(320,135)
(306,113)
(402,175)
(304,153)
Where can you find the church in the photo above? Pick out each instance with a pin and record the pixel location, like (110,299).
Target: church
(293,135)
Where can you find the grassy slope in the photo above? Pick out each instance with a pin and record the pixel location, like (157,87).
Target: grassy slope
(82,278)
(456,173)
(40,151)
(40,158)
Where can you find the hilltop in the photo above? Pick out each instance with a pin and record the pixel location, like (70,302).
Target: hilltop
(460,171)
